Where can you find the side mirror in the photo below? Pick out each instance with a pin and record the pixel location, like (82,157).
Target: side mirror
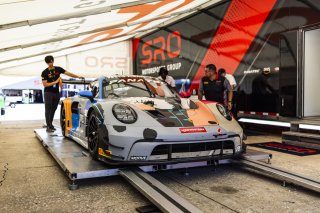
(86,94)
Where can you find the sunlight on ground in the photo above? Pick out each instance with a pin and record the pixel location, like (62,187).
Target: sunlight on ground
(27,112)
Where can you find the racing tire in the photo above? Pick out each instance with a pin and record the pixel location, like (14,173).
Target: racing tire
(93,135)
(63,121)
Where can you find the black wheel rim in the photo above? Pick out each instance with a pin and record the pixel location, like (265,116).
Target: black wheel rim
(93,134)
(63,120)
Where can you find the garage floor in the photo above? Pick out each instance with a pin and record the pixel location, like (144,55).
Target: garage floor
(31,181)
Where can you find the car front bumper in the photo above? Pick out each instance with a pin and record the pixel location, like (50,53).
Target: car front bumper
(146,152)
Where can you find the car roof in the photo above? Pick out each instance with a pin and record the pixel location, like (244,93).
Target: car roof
(132,76)
(135,77)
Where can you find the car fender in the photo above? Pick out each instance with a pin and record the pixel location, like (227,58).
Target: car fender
(231,126)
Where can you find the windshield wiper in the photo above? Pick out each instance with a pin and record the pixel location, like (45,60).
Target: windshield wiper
(112,93)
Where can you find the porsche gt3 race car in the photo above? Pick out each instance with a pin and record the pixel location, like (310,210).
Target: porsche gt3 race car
(141,120)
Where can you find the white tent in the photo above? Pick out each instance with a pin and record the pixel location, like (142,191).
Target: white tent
(29,29)
(33,83)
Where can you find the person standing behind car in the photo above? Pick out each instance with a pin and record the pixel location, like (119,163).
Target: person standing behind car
(222,72)
(230,78)
(164,76)
(51,80)
(215,88)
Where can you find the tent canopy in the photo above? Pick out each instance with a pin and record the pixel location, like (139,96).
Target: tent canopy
(20,83)
(29,28)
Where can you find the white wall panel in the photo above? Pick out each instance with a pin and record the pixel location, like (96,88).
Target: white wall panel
(312,73)
(110,60)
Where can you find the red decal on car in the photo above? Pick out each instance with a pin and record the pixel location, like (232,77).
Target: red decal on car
(192,130)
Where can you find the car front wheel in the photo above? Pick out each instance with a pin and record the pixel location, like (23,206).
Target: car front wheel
(93,136)
(63,120)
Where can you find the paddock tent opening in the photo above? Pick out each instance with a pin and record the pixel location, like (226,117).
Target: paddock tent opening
(33,83)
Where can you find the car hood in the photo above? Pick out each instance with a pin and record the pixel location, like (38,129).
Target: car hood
(174,112)
(146,103)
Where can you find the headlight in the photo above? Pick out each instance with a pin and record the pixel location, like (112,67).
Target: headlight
(225,113)
(124,113)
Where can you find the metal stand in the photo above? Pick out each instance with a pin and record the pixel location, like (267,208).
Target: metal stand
(78,165)
(284,184)
(73,186)
(279,174)
(186,173)
(269,161)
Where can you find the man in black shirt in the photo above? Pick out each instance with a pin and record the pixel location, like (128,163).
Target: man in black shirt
(215,88)
(51,80)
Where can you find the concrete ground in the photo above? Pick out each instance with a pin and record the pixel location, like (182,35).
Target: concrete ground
(304,165)
(26,112)
(31,181)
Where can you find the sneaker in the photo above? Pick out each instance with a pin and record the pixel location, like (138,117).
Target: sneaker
(53,128)
(49,130)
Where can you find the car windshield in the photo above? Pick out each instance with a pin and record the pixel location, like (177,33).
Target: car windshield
(137,89)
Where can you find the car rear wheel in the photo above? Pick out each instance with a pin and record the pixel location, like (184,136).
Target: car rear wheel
(63,121)
(93,136)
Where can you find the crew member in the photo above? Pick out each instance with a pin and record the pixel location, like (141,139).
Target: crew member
(164,76)
(51,80)
(230,78)
(233,83)
(215,88)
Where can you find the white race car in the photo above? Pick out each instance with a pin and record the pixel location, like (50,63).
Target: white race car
(141,120)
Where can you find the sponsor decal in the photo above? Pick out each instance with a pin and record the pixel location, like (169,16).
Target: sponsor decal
(251,71)
(161,48)
(138,158)
(267,70)
(292,148)
(131,80)
(170,67)
(105,153)
(287,148)
(192,130)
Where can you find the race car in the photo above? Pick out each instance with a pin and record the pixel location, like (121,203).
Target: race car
(141,120)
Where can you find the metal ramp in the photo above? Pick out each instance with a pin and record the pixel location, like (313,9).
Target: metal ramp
(72,158)
(279,174)
(160,195)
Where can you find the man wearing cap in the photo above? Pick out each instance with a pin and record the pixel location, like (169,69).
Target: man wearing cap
(51,81)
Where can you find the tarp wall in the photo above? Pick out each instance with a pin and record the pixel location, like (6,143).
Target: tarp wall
(108,60)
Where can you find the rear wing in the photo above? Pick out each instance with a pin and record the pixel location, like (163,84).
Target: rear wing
(77,81)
